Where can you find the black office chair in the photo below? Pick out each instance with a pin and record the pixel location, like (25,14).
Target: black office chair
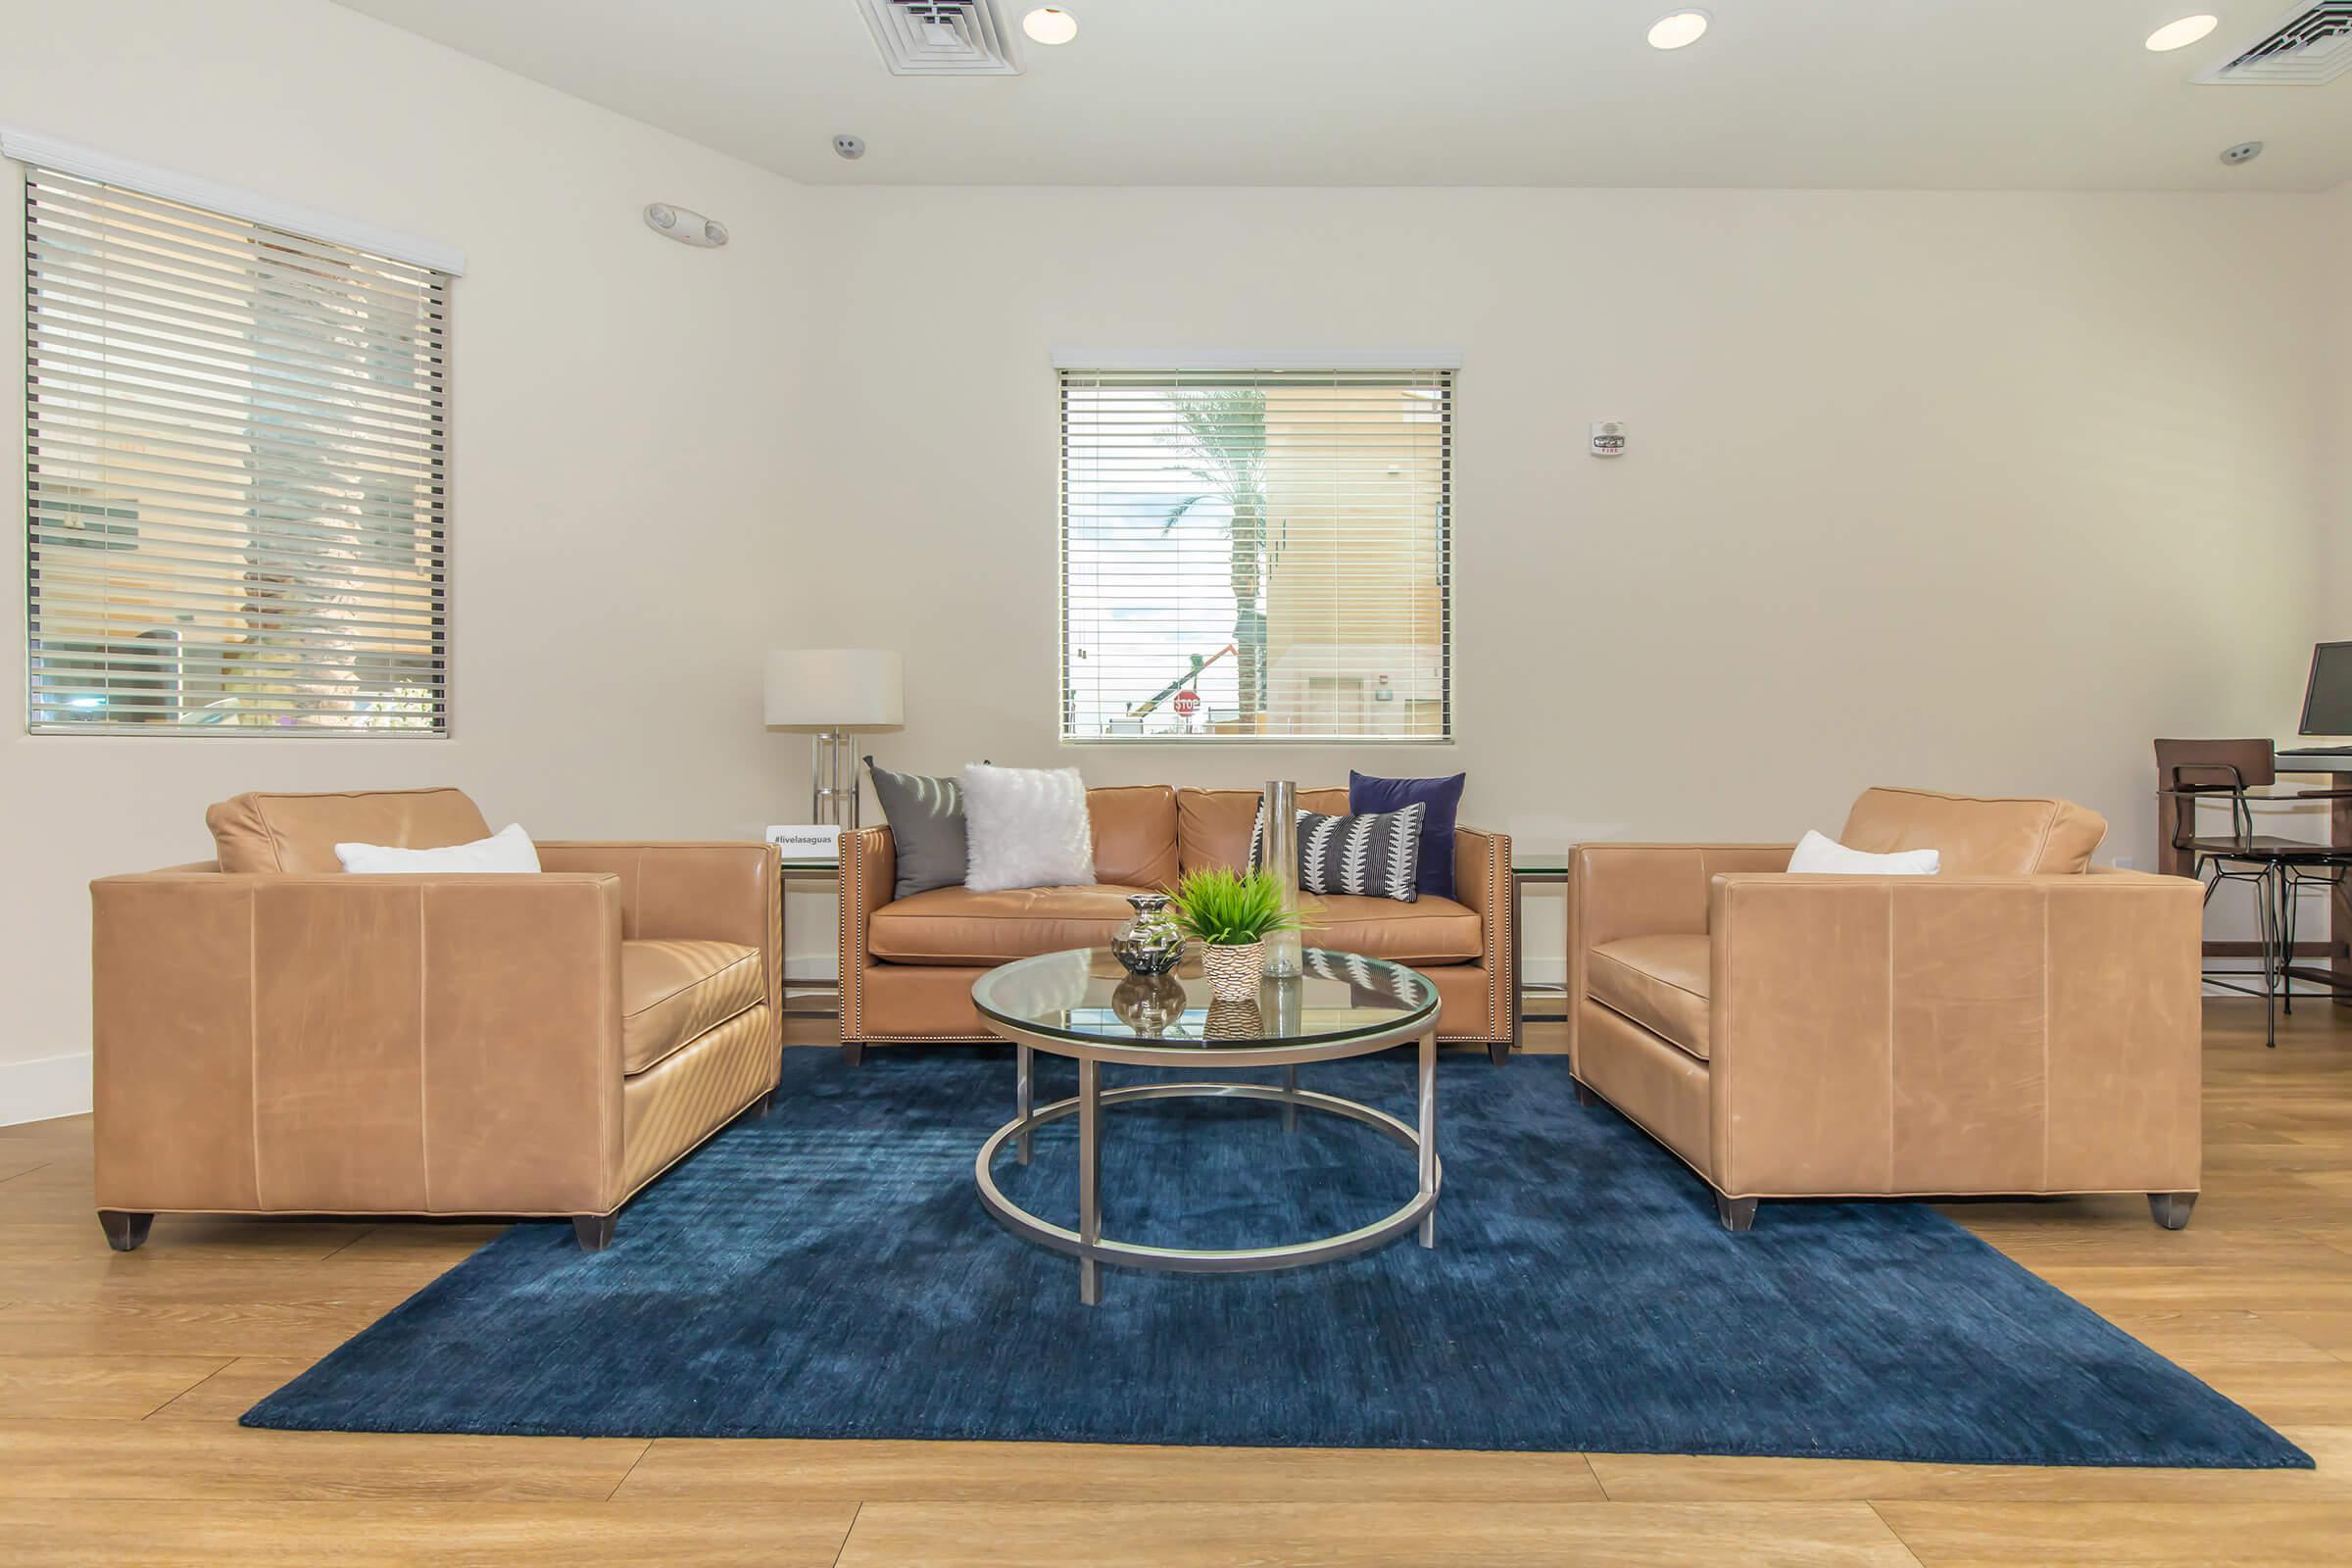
(2276,868)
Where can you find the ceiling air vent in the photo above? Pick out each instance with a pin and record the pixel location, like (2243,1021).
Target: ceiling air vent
(2305,47)
(941,37)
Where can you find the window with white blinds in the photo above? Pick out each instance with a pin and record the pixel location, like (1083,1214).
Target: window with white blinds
(235,474)
(1257,555)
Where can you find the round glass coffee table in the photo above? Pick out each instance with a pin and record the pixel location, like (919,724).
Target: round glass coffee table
(1082,1005)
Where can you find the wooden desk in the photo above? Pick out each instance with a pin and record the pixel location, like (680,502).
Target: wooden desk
(2334,955)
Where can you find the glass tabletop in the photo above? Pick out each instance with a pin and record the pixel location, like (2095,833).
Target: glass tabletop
(1085,994)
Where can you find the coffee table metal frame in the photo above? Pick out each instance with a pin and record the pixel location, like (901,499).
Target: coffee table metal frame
(1093,1248)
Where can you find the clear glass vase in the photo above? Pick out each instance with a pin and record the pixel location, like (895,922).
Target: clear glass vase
(1280,803)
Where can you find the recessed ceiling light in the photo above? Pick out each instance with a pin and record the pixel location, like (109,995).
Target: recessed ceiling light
(2180,35)
(1676,31)
(1049,25)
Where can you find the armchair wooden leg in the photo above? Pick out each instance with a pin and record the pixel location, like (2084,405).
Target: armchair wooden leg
(1737,1213)
(2171,1209)
(1498,1051)
(759,1107)
(1584,1096)
(595,1231)
(125,1230)
(852,1052)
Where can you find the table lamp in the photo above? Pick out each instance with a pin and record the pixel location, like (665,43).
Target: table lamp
(833,691)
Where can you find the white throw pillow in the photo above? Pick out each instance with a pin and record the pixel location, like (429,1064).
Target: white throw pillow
(1025,827)
(1818,853)
(507,849)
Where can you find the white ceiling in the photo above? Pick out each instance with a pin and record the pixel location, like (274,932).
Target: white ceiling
(2007,95)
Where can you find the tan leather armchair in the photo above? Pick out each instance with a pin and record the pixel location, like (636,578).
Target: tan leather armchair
(276,1037)
(2021,1024)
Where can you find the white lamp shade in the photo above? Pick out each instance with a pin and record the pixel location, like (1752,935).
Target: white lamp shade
(834,688)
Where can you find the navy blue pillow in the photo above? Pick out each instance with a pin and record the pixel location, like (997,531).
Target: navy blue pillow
(1443,797)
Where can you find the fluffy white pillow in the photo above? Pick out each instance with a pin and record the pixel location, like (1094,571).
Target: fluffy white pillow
(1025,827)
(1817,851)
(507,849)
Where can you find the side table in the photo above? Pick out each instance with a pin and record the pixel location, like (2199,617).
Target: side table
(804,871)
(1526,868)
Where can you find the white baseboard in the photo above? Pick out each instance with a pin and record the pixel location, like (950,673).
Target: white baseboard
(43,1088)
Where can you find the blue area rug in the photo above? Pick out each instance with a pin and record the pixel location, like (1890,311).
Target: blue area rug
(828,1272)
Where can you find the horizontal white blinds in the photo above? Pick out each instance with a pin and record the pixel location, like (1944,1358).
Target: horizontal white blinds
(1257,555)
(235,474)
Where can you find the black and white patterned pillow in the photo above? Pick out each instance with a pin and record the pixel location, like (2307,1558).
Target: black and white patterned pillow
(1375,855)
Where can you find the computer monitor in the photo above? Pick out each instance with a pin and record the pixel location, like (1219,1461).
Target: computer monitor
(2327,699)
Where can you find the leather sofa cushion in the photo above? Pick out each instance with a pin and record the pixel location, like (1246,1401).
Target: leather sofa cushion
(1135,834)
(1212,826)
(1658,982)
(958,926)
(1430,931)
(671,992)
(298,833)
(1978,837)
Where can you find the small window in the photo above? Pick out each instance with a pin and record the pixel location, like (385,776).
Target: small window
(235,474)
(1256,555)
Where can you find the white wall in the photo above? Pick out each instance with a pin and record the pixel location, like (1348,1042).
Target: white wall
(623,451)
(1977,491)
(2338,207)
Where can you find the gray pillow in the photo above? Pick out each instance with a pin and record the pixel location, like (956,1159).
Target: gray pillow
(926,824)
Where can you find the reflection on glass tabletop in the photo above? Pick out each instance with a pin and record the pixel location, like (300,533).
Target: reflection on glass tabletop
(1084,994)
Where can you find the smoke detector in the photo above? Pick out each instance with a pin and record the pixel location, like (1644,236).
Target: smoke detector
(2309,45)
(941,37)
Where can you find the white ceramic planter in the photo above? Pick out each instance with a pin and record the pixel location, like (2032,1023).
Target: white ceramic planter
(1232,971)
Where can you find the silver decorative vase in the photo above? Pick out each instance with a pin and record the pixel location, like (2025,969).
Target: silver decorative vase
(1147,1004)
(1285,950)
(1151,943)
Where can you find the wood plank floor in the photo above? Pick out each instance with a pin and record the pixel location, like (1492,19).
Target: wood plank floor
(121,1378)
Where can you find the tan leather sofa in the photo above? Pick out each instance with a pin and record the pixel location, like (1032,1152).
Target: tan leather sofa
(2022,1023)
(908,964)
(275,1037)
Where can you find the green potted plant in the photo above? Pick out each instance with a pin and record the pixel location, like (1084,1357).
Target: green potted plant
(1232,913)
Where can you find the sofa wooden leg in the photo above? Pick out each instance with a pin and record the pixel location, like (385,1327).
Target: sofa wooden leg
(852,1052)
(125,1230)
(595,1231)
(2171,1209)
(1737,1213)
(1584,1096)
(1498,1051)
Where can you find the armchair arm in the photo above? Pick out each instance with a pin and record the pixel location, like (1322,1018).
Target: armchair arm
(332,1043)
(1638,890)
(869,870)
(1954,1034)
(726,891)
(1481,881)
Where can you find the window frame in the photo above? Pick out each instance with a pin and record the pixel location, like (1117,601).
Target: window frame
(48,640)
(1443,365)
